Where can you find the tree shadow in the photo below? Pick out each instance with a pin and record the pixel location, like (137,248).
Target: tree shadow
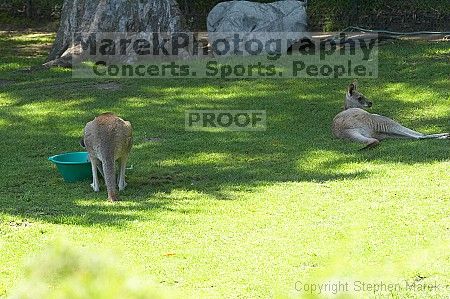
(46,117)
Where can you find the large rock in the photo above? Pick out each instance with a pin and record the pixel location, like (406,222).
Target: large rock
(244,16)
(97,16)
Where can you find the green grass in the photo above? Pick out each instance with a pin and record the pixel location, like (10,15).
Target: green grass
(234,214)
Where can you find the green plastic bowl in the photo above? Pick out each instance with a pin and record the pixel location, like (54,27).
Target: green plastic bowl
(73,167)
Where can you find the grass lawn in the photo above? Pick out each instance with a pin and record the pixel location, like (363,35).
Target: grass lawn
(234,214)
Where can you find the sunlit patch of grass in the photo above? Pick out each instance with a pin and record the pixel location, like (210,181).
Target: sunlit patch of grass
(234,214)
(3,122)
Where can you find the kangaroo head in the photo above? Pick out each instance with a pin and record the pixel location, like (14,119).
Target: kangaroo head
(355,99)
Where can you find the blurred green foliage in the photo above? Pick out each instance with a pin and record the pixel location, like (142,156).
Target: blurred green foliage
(63,271)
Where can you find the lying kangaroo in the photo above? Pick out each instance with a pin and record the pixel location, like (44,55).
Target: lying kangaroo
(356,124)
(108,139)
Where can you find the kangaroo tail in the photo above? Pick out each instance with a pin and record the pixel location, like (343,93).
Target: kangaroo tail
(109,174)
(401,131)
(437,136)
(408,133)
(393,129)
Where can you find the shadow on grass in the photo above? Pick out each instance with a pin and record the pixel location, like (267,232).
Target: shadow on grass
(46,116)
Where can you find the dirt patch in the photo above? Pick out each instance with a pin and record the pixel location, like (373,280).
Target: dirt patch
(6,82)
(20,223)
(25,44)
(32,50)
(429,37)
(82,84)
(153,139)
(109,86)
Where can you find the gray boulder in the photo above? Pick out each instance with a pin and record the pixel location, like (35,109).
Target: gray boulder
(246,16)
(243,16)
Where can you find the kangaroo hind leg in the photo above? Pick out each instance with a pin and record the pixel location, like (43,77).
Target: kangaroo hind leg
(368,141)
(122,169)
(94,164)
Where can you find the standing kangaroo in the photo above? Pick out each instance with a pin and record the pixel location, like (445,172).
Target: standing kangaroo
(108,139)
(358,125)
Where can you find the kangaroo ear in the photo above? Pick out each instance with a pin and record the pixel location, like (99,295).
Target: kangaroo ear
(82,142)
(351,88)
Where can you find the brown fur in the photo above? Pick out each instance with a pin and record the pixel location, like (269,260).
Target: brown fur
(358,125)
(108,139)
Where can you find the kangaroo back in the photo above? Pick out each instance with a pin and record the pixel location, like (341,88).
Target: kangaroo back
(108,138)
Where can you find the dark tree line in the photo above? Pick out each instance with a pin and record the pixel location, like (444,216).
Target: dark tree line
(32,9)
(324,14)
